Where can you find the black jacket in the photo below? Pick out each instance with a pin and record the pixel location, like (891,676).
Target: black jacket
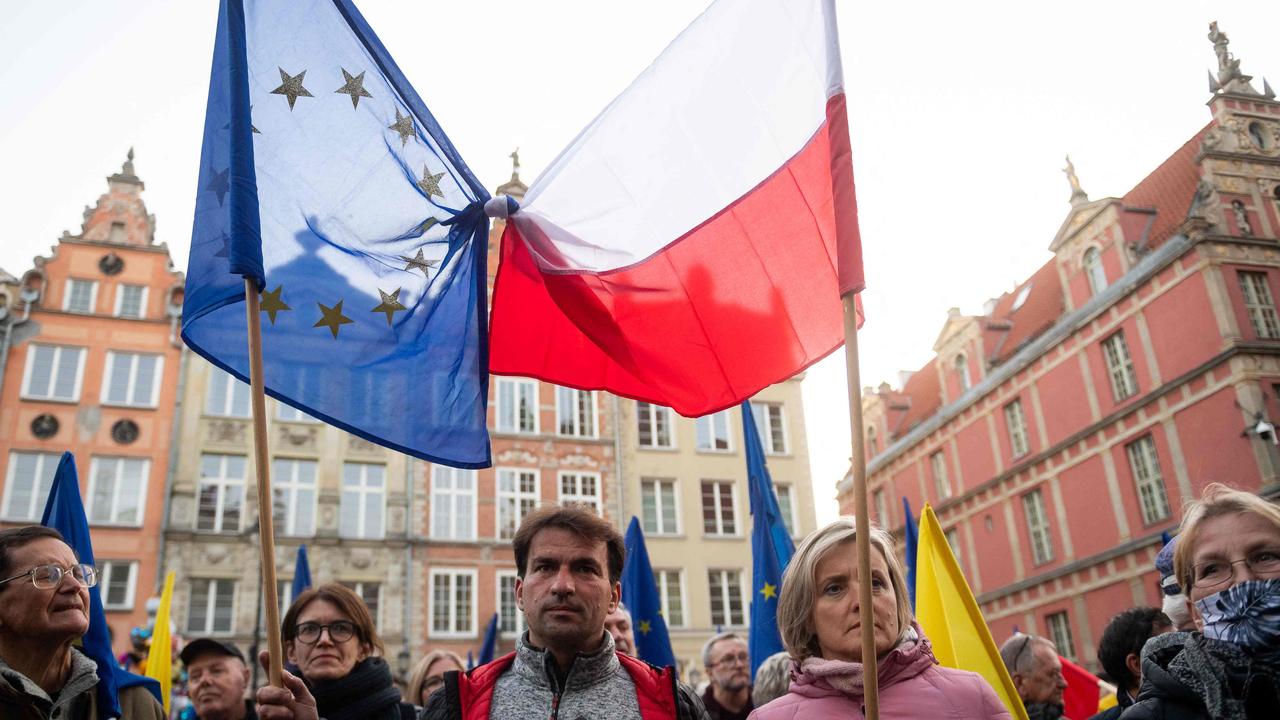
(1169,660)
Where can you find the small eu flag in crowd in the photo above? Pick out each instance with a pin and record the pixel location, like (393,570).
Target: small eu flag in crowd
(301,573)
(771,548)
(326,181)
(640,595)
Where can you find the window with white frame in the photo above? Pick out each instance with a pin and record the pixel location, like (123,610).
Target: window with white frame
(941,483)
(962,373)
(1259,304)
(517,410)
(1145,465)
(289,413)
(658,506)
(772,426)
(362,505)
(517,497)
(713,432)
(371,594)
(116,580)
(53,372)
(131,301)
(510,618)
(719,516)
(671,596)
(211,610)
(117,487)
(882,509)
(293,485)
(580,488)
(453,503)
(284,597)
(726,597)
(1038,527)
(453,611)
(1094,271)
(81,295)
(787,507)
(27,484)
(1124,381)
(1016,423)
(575,412)
(654,426)
(225,395)
(221,491)
(132,379)
(1060,634)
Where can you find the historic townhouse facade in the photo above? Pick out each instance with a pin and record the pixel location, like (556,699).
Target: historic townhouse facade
(1059,433)
(89,361)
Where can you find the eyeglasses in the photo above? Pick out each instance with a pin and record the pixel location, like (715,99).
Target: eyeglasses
(309,632)
(740,658)
(45,577)
(1212,573)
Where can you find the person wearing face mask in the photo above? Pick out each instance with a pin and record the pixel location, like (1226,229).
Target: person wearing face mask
(330,637)
(1173,600)
(1228,562)
(1036,671)
(44,609)
(428,675)
(819,620)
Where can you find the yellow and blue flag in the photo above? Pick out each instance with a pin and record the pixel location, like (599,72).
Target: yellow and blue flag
(160,657)
(949,615)
(325,180)
(640,595)
(771,548)
(64,512)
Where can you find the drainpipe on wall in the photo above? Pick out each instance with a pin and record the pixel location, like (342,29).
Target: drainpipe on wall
(175,435)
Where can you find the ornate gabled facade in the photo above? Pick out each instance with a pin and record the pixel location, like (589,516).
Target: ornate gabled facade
(1058,434)
(89,362)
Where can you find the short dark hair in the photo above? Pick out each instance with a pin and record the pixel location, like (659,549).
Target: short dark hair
(578,520)
(14,538)
(1125,634)
(341,597)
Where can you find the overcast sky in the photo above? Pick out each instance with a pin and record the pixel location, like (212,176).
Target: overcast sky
(960,115)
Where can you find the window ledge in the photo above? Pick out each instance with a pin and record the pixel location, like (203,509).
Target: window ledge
(62,401)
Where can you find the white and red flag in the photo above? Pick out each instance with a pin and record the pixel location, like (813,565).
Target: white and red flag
(691,245)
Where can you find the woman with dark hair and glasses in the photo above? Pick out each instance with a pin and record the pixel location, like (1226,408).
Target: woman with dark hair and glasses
(330,636)
(44,609)
(1228,561)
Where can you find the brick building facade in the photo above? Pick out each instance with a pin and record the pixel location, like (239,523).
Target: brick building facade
(1059,433)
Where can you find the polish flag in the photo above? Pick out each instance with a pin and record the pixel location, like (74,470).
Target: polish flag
(689,248)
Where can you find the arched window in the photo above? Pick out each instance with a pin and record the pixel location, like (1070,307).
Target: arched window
(962,373)
(1094,271)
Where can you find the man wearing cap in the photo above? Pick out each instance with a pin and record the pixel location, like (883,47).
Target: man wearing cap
(216,680)
(1174,601)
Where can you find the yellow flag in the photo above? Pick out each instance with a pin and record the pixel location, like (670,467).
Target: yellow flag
(160,659)
(949,616)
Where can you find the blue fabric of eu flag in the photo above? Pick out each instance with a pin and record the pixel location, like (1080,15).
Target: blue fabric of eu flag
(771,548)
(326,181)
(912,535)
(64,512)
(640,595)
(301,573)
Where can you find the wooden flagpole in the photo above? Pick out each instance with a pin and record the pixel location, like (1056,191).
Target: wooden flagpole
(871,698)
(266,528)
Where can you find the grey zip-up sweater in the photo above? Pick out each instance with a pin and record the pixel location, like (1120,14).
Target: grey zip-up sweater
(22,697)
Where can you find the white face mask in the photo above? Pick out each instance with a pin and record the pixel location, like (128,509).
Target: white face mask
(1175,606)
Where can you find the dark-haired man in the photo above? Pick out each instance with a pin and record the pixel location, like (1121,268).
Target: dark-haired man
(1120,653)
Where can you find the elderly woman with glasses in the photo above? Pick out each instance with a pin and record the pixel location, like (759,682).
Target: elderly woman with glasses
(1227,560)
(330,637)
(818,619)
(44,609)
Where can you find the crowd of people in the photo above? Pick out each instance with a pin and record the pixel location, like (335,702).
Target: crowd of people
(1211,651)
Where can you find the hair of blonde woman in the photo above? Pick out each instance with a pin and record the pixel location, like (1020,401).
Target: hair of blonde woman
(420,673)
(1216,500)
(772,679)
(799,584)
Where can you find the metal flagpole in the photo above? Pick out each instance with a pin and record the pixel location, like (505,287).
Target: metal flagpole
(266,528)
(861,514)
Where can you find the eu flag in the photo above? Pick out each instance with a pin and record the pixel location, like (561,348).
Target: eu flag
(490,641)
(64,512)
(640,595)
(301,573)
(771,548)
(912,541)
(325,180)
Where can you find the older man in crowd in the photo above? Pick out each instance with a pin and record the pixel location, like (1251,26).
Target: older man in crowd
(728,695)
(217,677)
(1036,671)
(618,625)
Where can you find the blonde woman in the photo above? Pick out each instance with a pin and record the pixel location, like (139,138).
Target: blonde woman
(428,674)
(819,622)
